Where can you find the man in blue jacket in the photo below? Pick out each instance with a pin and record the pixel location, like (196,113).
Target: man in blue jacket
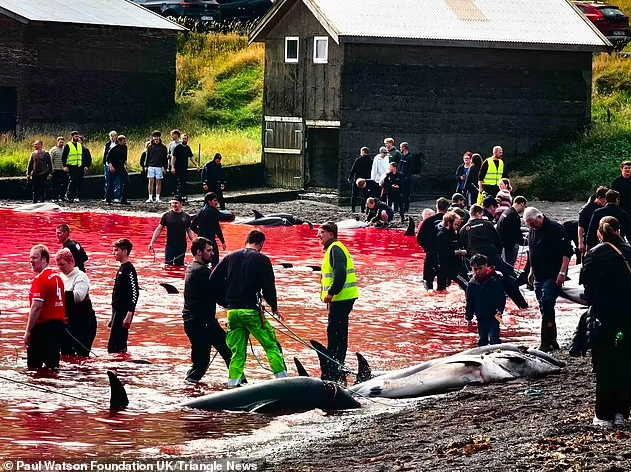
(486,300)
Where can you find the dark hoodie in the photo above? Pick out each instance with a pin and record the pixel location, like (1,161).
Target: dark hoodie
(485,296)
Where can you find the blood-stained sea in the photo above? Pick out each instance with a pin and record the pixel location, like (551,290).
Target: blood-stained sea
(395,323)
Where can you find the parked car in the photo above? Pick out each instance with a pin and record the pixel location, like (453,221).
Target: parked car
(609,20)
(188,13)
(243,10)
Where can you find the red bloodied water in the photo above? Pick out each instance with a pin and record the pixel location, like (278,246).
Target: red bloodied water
(394,324)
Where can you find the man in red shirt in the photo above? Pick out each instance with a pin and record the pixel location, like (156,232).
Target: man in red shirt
(46,319)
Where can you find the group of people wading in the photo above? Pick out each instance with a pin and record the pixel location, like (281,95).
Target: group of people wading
(62,320)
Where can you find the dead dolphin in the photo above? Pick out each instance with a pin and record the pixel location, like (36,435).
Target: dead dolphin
(571,289)
(276,219)
(489,364)
(271,396)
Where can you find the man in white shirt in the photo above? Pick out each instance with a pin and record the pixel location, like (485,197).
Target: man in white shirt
(380,166)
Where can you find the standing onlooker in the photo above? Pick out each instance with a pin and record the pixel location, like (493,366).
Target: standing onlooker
(178,225)
(486,300)
(124,297)
(59,181)
(206,224)
(622,184)
(606,275)
(244,275)
(550,250)
(426,238)
(393,153)
(450,253)
(360,170)
(462,171)
(612,208)
(78,253)
(471,183)
(47,314)
(106,168)
(80,315)
(509,229)
(392,186)
(491,172)
(72,157)
(179,165)
(213,179)
(176,136)
(339,292)
(199,312)
(504,197)
(380,165)
(406,168)
(116,161)
(40,169)
(156,164)
(595,202)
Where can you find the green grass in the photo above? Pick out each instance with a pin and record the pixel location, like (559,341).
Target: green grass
(219,90)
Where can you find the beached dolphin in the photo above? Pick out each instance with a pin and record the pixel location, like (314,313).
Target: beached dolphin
(571,289)
(275,219)
(351,223)
(271,396)
(226,215)
(35,207)
(488,364)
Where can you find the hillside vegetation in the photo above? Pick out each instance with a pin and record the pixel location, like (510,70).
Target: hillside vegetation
(574,170)
(219,103)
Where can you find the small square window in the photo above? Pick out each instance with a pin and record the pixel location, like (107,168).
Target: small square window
(320,49)
(291,49)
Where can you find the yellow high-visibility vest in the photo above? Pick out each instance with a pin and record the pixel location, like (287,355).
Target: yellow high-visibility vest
(75,157)
(493,174)
(350,290)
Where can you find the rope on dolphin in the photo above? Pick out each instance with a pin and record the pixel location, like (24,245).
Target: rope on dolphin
(296,337)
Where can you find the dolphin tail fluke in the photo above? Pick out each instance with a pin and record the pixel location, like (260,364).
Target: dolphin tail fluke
(286,265)
(302,372)
(411,231)
(364,372)
(118,395)
(258,214)
(315,268)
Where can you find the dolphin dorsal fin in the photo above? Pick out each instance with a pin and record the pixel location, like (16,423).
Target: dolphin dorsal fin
(258,214)
(302,372)
(364,372)
(411,231)
(118,395)
(323,356)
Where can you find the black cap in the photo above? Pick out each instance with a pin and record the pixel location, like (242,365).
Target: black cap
(177,198)
(489,201)
(74,133)
(456,197)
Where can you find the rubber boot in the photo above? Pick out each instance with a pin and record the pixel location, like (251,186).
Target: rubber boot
(546,336)
(553,336)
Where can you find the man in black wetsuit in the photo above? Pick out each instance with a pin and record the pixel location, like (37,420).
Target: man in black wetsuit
(199,311)
(63,237)
(426,238)
(178,225)
(206,224)
(378,213)
(360,170)
(124,298)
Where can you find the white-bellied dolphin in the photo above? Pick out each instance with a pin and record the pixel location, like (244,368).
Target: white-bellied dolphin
(571,289)
(476,366)
(276,219)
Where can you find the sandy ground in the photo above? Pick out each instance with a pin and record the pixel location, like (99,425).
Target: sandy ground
(526,425)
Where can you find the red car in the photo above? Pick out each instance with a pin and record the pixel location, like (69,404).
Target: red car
(609,20)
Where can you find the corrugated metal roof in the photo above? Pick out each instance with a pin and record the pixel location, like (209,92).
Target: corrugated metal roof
(554,22)
(93,12)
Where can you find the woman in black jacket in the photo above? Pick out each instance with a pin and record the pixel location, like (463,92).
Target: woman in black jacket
(606,275)
(471,183)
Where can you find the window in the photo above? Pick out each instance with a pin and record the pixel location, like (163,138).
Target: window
(291,49)
(320,49)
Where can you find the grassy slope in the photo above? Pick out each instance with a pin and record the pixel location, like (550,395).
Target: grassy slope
(219,103)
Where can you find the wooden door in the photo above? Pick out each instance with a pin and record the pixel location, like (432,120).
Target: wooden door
(282,152)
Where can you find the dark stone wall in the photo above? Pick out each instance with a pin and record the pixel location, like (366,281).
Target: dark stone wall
(67,73)
(445,101)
